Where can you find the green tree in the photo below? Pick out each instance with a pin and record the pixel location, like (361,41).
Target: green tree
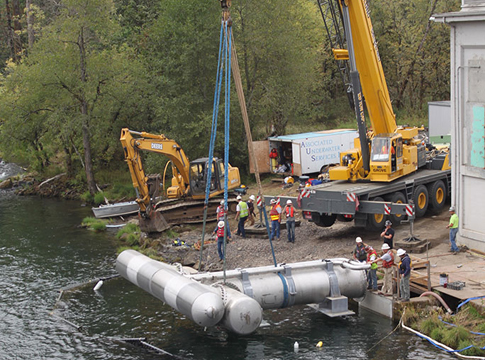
(76,87)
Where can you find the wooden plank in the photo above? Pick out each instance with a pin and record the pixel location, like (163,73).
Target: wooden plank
(261,153)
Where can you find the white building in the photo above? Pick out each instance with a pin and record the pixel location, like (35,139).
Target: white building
(468,113)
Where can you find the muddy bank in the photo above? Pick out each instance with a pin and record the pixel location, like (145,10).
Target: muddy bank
(29,184)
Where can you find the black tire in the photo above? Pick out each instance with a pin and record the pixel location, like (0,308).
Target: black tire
(437,197)
(324,220)
(400,198)
(376,221)
(421,201)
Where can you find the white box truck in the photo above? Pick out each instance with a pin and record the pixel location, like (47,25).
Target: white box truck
(302,154)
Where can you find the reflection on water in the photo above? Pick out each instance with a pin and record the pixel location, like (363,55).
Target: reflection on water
(42,250)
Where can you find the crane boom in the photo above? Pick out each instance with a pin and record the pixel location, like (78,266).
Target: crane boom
(368,64)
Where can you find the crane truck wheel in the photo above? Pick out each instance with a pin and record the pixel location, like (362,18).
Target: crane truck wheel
(376,221)
(437,196)
(421,200)
(399,198)
(323,220)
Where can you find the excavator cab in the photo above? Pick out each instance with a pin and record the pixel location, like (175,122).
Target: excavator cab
(198,174)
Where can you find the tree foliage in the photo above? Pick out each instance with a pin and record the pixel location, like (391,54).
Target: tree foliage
(98,66)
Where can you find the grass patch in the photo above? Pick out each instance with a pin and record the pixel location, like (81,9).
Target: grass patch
(429,324)
(87,197)
(99,198)
(94,224)
(128,229)
(456,335)
(171,234)
(129,234)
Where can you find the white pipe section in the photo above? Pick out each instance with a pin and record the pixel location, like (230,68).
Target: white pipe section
(199,302)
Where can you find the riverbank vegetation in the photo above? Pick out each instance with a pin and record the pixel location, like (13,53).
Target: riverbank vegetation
(463,330)
(73,73)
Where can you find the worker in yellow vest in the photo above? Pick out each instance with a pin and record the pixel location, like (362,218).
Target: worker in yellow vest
(289,211)
(275,215)
(242,214)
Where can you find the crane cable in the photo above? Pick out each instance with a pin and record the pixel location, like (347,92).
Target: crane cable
(215,114)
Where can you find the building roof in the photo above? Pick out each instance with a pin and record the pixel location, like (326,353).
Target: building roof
(309,135)
(472,10)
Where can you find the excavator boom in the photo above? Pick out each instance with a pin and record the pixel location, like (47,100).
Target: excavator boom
(189,181)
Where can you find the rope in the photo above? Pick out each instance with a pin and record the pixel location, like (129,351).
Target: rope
(228,43)
(215,114)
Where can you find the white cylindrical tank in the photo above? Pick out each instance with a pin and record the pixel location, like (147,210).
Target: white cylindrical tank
(201,303)
(243,314)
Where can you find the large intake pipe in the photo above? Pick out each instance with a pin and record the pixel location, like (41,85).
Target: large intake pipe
(237,304)
(201,303)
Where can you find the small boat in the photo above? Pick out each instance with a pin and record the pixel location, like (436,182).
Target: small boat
(113,210)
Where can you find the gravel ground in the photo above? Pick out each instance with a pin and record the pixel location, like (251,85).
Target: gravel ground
(312,242)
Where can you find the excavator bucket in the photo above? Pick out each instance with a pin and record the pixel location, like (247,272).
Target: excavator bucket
(155,223)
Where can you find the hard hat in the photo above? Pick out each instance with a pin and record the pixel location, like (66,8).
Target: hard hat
(220,224)
(358,239)
(388,223)
(239,197)
(368,248)
(401,252)
(385,246)
(452,209)
(273,201)
(222,202)
(288,202)
(252,197)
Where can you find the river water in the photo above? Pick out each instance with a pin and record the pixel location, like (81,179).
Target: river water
(42,250)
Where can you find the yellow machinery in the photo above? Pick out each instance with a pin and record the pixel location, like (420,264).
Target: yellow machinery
(188,180)
(388,151)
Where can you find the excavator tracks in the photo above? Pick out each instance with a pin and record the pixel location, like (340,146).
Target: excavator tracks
(178,212)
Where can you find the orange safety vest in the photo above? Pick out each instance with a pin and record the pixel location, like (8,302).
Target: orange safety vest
(388,264)
(274,214)
(290,211)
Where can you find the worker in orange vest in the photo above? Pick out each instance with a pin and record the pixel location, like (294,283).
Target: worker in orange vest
(289,211)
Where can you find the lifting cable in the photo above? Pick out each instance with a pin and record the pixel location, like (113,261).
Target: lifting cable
(222,58)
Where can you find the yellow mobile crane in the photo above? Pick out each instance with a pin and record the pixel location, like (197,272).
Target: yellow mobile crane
(188,181)
(395,151)
(391,167)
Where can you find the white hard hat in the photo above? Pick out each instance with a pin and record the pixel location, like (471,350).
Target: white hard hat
(288,202)
(273,201)
(252,197)
(385,246)
(452,209)
(239,197)
(358,239)
(401,252)
(220,224)
(222,202)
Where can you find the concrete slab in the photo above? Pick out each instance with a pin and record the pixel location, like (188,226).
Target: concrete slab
(377,303)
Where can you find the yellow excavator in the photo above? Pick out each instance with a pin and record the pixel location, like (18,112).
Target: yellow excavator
(388,151)
(189,181)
